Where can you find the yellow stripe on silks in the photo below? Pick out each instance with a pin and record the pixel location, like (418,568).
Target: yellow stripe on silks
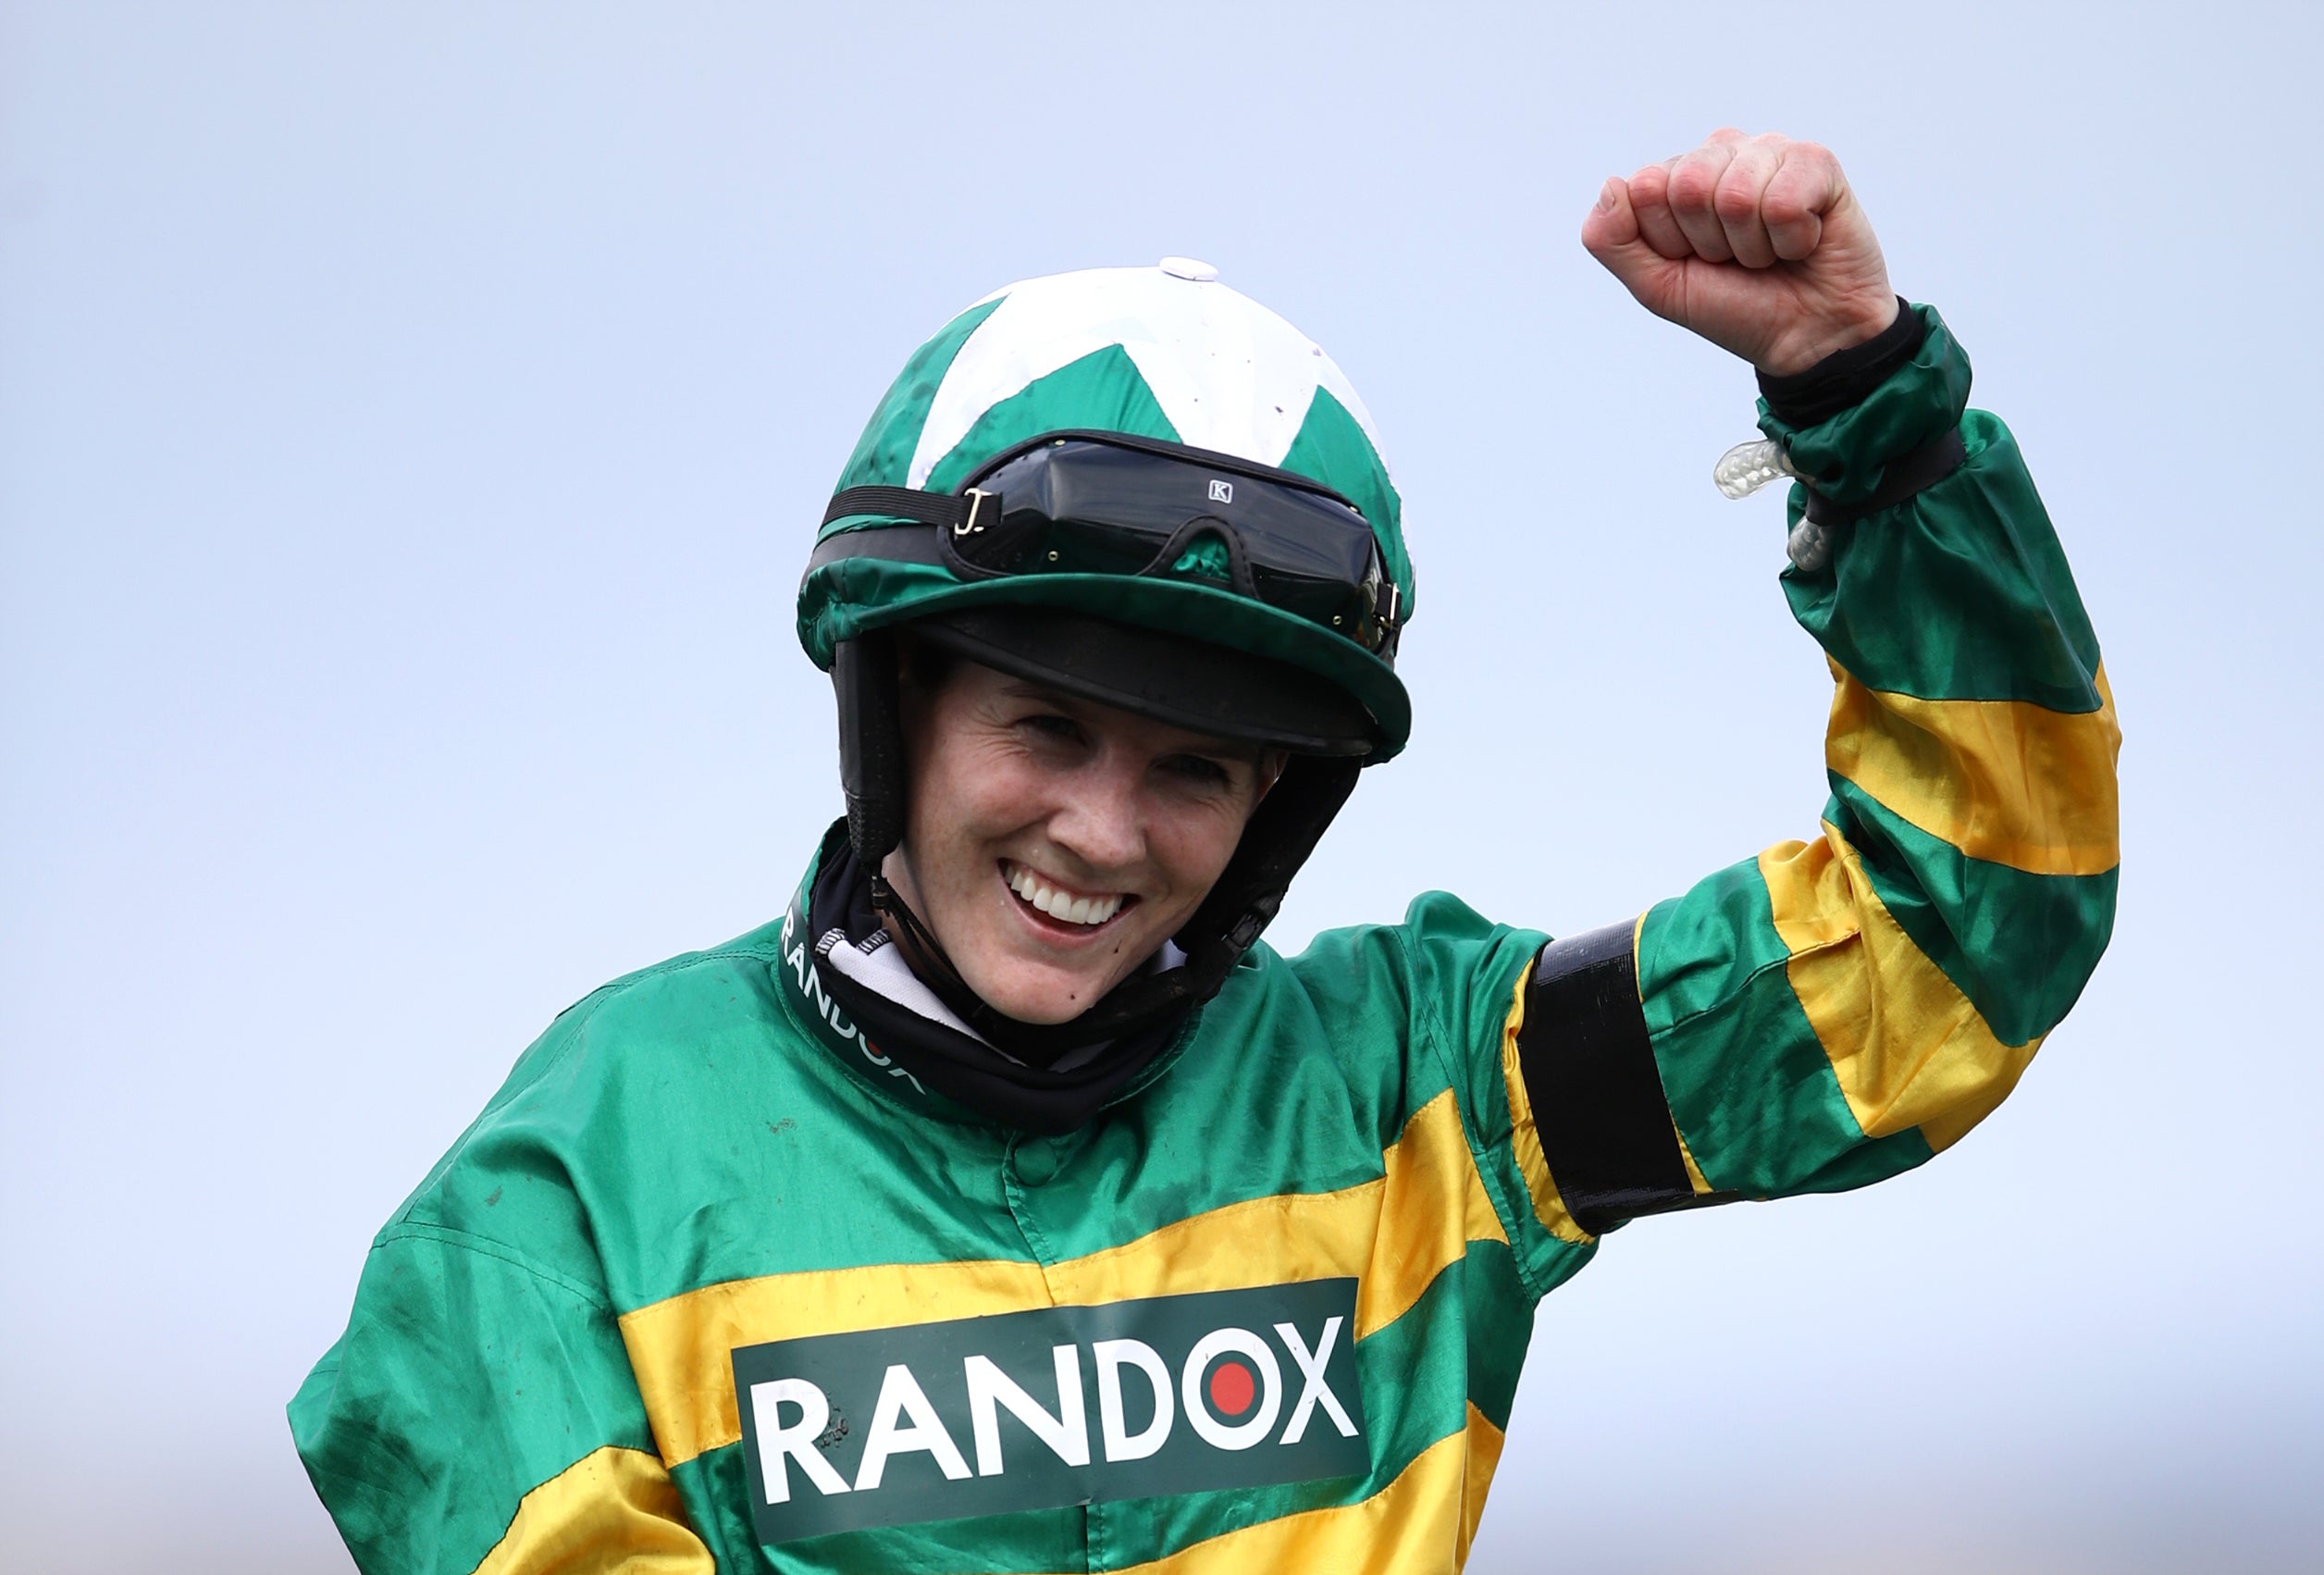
(1396,1234)
(679,1348)
(1907,1046)
(1525,1139)
(1694,1171)
(1484,1456)
(2006,781)
(1434,1204)
(1264,1241)
(614,1509)
(1414,1523)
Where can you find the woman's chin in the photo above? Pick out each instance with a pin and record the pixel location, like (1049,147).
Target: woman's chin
(1039,996)
(1045,1008)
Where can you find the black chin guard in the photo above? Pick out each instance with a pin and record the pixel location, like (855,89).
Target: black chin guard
(863,679)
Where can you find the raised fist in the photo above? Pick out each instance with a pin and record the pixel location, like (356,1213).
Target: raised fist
(1754,242)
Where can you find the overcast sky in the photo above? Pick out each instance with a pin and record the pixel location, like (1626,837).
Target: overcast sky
(414,419)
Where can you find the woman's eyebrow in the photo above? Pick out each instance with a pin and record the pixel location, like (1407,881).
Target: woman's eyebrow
(1077,706)
(1249,754)
(1243,749)
(1022,688)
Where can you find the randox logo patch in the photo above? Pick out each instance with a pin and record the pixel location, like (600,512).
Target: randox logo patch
(1070,1404)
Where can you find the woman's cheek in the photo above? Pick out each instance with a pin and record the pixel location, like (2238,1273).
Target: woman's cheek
(1204,854)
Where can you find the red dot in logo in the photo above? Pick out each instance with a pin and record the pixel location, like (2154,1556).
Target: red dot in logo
(1232,1388)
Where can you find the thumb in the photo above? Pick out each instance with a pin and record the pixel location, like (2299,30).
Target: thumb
(1611,234)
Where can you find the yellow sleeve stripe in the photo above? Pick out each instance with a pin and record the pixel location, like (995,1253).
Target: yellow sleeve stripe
(1524,1139)
(1396,1234)
(2006,781)
(1907,1046)
(616,1510)
(1477,1478)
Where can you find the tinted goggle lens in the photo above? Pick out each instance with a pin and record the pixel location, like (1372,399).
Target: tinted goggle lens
(1086,505)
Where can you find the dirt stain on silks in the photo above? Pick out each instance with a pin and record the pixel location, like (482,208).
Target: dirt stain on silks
(831,1437)
(494,1198)
(780,1127)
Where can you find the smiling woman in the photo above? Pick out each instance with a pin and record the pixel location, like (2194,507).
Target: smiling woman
(840,1238)
(1054,844)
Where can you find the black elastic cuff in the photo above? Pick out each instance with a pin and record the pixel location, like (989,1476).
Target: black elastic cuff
(1916,472)
(1842,379)
(1596,1092)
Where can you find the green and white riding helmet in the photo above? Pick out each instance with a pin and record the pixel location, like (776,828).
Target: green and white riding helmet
(1145,488)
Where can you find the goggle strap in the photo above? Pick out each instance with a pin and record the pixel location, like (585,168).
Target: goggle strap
(943,510)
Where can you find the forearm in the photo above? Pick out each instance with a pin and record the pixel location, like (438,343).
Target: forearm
(1836,1011)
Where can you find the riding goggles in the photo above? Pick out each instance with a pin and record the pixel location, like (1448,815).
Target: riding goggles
(1105,503)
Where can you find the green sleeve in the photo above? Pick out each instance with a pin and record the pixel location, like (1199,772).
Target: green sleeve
(479,1413)
(1835,1011)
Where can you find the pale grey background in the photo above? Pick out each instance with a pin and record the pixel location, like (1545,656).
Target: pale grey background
(412,422)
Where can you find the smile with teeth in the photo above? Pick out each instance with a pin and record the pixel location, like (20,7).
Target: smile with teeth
(1061,905)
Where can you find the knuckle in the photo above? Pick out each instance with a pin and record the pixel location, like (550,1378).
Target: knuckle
(1691,186)
(1737,198)
(1783,206)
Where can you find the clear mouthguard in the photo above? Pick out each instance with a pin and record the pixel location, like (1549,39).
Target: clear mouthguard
(1745,468)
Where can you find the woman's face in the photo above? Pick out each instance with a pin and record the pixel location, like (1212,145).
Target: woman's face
(1053,844)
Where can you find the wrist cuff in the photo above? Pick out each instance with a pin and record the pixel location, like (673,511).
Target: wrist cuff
(1845,457)
(1844,377)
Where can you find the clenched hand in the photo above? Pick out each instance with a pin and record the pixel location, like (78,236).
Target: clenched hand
(1754,242)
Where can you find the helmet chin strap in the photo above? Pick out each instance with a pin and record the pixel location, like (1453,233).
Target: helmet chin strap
(937,971)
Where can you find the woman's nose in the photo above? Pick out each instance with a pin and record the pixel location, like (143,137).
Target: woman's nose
(1099,819)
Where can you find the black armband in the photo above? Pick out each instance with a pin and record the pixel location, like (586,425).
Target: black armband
(1597,1096)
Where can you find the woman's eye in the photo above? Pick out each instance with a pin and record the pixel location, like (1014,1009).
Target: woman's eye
(1195,768)
(1057,729)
